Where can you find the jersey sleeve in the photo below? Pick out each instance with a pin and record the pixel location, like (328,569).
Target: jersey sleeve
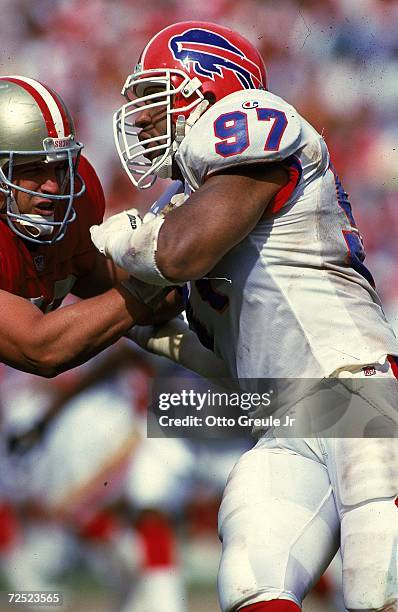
(13,255)
(90,208)
(246,127)
(93,199)
(9,273)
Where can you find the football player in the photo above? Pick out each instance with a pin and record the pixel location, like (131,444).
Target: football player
(278,289)
(49,197)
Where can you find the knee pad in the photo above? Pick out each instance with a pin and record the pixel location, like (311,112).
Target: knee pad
(275,506)
(391,606)
(366,469)
(369,544)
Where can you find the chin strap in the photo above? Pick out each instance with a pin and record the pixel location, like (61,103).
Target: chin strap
(195,115)
(35,227)
(183,126)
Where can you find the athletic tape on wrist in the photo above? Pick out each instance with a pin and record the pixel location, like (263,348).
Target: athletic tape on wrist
(139,257)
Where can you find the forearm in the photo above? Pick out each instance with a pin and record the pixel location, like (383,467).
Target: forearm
(226,208)
(184,253)
(67,337)
(104,275)
(191,239)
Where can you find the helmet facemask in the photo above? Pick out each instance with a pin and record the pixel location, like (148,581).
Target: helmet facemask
(178,95)
(36,228)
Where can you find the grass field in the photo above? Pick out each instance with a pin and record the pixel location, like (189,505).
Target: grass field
(83,592)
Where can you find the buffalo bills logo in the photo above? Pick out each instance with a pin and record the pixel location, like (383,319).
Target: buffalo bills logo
(211,53)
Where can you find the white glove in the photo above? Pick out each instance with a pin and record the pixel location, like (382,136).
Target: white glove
(178,343)
(110,237)
(131,244)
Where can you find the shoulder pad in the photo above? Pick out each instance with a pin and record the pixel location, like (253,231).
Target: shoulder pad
(246,127)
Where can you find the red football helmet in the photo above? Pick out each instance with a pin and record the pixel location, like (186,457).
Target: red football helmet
(183,68)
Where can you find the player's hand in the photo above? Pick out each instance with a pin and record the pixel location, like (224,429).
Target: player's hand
(161,339)
(120,227)
(108,237)
(112,236)
(131,242)
(151,295)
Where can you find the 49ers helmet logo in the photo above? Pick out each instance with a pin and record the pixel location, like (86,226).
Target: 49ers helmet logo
(210,54)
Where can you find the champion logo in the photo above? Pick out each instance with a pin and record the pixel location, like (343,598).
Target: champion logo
(250,104)
(209,54)
(369,370)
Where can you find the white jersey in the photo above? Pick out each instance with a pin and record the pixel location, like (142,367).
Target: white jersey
(294,298)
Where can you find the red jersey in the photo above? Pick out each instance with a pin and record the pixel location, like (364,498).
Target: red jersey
(46,273)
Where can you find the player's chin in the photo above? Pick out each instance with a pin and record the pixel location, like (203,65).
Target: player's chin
(149,155)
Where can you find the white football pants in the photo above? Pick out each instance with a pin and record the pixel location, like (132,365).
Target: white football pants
(284,506)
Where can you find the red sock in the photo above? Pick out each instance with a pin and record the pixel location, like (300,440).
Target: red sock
(9,527)
(158,540)
(276,605)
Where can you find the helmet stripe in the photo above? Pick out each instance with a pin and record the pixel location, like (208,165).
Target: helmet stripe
(46,102)
(61,108)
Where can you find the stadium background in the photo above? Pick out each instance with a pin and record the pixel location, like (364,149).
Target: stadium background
(336,61)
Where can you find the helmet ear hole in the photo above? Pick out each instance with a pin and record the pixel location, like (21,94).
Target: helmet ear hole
(210,97)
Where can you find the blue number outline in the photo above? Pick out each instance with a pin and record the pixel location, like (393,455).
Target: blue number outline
(221,131)
(240,131)
(278,128)
(352,237)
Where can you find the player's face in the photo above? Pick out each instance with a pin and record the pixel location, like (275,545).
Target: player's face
(152,121)
(42,177)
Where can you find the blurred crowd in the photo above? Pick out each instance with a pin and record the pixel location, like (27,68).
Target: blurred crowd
(336,61)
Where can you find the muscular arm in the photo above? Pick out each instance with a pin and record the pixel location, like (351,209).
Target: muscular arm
(48,344)
(104,275)
(195,236)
